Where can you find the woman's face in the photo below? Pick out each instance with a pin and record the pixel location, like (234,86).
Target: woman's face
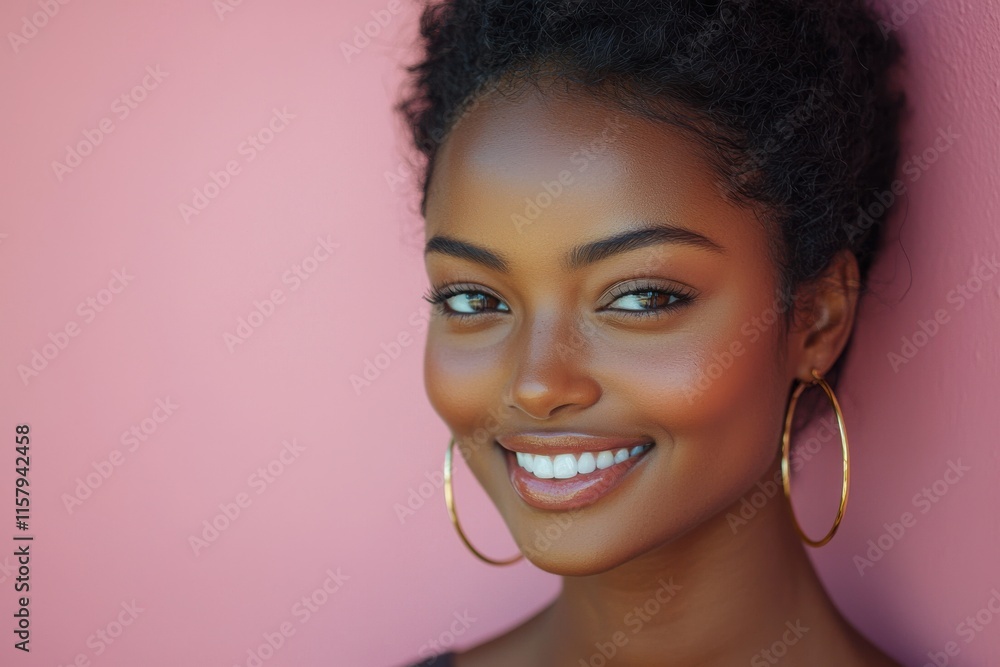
(675,341)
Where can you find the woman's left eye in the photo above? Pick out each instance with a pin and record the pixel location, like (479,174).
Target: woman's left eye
(648,300)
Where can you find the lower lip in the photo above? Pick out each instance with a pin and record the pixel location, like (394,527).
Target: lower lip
(567,494)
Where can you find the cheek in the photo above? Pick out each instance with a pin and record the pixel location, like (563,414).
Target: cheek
(715,397)
(462,386)
(465,388)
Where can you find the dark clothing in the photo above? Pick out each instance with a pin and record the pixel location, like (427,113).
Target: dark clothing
(443,660)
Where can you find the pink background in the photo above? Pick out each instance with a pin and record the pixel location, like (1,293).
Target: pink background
(333,505)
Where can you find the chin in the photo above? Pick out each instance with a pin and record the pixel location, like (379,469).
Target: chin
(590,540)
(568,563)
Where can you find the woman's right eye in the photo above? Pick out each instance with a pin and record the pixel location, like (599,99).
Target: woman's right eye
(457,301)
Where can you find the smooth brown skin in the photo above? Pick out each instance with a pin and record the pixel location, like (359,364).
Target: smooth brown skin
(554,358)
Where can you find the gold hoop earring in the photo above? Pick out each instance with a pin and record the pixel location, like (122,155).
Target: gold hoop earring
(786,436)
(449,499)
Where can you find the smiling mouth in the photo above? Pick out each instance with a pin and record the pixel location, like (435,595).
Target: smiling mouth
(567,466)
(568,481)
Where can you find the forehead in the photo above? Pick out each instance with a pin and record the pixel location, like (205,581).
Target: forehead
(548,168)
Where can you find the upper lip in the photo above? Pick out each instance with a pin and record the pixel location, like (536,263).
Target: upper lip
(565,443)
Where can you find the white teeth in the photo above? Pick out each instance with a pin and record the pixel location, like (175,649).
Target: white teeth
(565,466)
(542,466)
(605,460)
(586,463)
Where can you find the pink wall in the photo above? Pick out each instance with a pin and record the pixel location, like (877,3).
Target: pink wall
(133,304)
(921,389)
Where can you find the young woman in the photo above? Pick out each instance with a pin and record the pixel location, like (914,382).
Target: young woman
(643,245)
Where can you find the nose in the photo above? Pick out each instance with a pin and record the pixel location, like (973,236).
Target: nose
(549,371)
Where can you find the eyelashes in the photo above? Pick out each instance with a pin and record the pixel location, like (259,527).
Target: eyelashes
(640,292)
(439,296)
(672,299)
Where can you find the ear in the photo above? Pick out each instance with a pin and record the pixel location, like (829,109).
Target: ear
(825,319)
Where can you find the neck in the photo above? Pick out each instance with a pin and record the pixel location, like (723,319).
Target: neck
(721,594)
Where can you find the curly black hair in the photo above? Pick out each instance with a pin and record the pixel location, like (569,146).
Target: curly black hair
(792,99)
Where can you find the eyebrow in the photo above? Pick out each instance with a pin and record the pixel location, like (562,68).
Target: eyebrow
(582,255)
